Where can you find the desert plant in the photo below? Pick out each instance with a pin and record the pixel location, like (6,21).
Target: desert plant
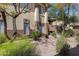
(35,35)
(60,43)
(23,37)
(65,50)
(77,39)
(2,38)
(17,48)
(53,34)
(61,46)
(73,19)
(68,33)
(77,34)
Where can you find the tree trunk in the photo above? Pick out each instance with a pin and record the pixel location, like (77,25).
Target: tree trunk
(66,19)
(5,24)
(14,28)
(68,13)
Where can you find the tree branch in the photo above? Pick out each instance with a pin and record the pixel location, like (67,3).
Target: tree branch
(23,9)
(15,7)
(19,7)
(8,13)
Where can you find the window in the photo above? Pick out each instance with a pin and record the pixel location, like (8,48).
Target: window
(26,27)
(1,26)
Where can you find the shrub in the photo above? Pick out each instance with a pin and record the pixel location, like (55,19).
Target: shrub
(17,48)
(35,35)
(65,50)
(53,34)
(61,46)
(77,34)
(73,19)
(68,33)
(77,39)
(2,38)
(60,43)
(23,37)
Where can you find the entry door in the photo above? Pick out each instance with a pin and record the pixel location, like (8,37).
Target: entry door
(1,27)
(26,28)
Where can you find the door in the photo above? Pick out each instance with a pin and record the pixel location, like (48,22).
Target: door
(26,28)
(1,27)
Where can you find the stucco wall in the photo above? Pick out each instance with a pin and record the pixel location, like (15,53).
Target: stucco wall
(20,19)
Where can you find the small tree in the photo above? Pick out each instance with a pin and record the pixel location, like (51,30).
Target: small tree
(15,13)
(3,7)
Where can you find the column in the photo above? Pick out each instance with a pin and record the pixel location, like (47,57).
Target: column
(36,18)
(46,22)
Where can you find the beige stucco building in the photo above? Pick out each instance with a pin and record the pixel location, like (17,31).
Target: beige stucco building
(35,19)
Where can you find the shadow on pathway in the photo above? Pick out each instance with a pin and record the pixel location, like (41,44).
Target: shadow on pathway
(74,51)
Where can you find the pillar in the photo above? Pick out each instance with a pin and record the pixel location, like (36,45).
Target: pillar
(36,18)
(46,22)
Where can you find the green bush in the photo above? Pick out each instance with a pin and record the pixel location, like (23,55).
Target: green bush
(73,19)
(65,50)
(2,38)
(77,39)
(35,35)
(53,34)
(77,34)
(23,47)
(23,37)
(61,46)
(68,33)
(60,43)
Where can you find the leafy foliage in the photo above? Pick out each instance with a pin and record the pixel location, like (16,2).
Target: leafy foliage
(17,48)
(2,38)
(65,50)
(77,34)
(35,35)
(73,19)
(61,46)
(3,6)
(52,11)
(68,33)
(53,34)
(77,38)
(60,43)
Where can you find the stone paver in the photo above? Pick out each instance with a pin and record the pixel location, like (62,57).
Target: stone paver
(72,42)
(46,47)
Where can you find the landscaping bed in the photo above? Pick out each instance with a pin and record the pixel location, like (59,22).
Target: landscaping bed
(17,48)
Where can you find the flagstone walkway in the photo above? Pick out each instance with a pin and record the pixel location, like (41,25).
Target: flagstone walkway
(47,46)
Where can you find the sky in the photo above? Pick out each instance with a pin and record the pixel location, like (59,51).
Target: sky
(71,10)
